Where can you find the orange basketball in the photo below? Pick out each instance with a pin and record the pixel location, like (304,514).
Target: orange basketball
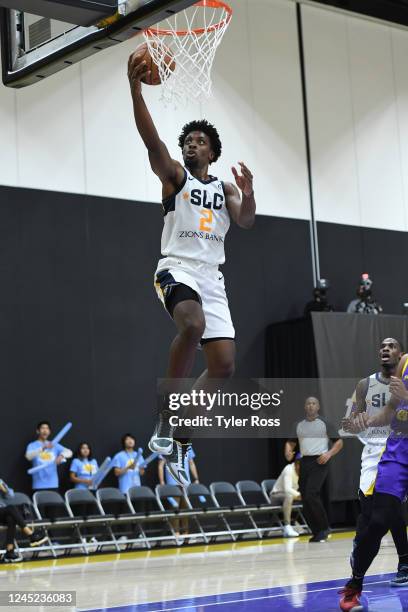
(154,77)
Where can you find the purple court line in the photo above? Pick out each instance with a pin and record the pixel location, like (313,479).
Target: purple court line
(261,595)
(243,601)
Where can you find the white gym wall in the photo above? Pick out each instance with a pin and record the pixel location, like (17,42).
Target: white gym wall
(75,132)
(357,86)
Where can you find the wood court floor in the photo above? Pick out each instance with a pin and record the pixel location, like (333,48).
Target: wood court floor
(129,580)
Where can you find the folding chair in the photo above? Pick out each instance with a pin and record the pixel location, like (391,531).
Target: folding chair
(252,494)
(113,502)
(267,486)
(143,501)
(199,497)
(226,496)
(50,506)
(169,497)
(82,504)
(212,525)
(156,527)
(297,508)
(25,506)
(172,499)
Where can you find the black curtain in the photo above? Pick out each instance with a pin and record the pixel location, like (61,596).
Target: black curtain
(290,350)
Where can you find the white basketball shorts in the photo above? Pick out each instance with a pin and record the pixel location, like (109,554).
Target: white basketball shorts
(370,459)
(208,282)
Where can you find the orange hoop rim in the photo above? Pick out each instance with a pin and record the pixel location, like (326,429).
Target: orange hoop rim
(198,31)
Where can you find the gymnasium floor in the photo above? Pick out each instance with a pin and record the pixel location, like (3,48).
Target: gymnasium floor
(248,576)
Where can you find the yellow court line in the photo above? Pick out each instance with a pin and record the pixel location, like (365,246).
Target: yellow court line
(164,552)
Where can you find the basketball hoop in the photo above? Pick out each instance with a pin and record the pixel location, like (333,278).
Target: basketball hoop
(191,37)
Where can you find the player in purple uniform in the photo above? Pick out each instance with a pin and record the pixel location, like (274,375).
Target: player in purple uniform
(391,486)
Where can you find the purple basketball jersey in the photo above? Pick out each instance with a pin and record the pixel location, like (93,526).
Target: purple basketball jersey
(392,476)
(397,446)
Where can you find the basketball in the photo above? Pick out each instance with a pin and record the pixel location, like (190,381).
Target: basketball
(154,77)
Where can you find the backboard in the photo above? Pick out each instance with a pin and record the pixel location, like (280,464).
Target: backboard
(34,47)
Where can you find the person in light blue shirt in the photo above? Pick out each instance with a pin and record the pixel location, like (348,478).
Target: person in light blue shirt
(126,464)
(83,467)
(189,465)
(41,452)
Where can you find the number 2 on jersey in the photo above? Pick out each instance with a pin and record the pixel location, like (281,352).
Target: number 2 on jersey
(206,220)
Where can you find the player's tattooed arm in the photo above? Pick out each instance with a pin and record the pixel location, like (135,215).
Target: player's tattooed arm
(356,421)
(242,209)
(361,394)
(169,171)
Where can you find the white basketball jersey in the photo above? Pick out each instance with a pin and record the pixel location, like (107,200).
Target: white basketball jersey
(374,439)
(196,221)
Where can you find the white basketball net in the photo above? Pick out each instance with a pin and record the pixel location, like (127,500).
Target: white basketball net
(191,38)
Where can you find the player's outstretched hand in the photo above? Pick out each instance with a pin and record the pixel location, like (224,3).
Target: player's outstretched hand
(244,180)
(137,69)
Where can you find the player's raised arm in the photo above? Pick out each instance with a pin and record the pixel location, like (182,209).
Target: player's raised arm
(242,210)
(167,169)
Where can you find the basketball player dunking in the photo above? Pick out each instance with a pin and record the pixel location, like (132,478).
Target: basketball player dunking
(197,209)
(390,489)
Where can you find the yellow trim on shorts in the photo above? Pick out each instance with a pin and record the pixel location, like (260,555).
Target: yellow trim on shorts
(159,291)
(370,490)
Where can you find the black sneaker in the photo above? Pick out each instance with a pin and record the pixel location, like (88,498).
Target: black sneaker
(12,556)
(38,537)
(162,439)
(322,536)
(175,463)
(401,578)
